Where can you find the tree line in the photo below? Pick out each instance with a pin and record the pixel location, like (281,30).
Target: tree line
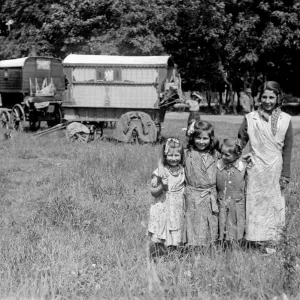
(234,42)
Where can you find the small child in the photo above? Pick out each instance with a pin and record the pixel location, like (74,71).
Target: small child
(231,191)
(167,210)
(194,108)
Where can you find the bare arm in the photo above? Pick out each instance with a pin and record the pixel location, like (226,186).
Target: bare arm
(287,153)
(243,133)
(157,187)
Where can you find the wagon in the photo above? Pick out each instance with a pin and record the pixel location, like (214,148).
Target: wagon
(31,90)
(133,91)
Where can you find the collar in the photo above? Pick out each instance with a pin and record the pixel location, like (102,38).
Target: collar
(265,116)
(238,165)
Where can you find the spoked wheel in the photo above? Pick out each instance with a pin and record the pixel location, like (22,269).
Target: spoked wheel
(58,117)
(79,136)
(18,117)
(5,119)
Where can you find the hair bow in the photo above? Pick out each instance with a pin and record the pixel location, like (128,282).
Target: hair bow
(167,146)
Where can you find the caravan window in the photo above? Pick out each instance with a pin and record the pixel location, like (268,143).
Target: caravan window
(83,75)
(115,74)
(109,74)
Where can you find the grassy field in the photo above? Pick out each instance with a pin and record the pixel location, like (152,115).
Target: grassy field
(73,226)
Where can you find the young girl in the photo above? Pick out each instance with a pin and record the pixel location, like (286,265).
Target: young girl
(200,193)
(166,213)
(231,191)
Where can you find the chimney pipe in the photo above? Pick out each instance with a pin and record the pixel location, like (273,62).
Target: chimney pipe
(33,51)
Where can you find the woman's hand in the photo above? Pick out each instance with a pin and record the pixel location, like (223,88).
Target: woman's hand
(283,182)
(248,158)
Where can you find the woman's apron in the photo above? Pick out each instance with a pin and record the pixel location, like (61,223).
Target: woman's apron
(265,204)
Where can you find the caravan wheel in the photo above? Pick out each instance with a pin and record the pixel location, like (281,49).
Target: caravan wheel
(58,117)
(18,117)
(5,119)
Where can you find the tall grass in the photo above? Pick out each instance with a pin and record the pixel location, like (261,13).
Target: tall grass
(73,220)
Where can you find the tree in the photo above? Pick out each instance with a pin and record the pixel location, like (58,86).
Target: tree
(131,29)
(71,25)
(60,27)
(26,20)
(215,41)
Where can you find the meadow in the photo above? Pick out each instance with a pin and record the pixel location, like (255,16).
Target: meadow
(73,226)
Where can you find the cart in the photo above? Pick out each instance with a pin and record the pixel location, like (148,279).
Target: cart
(31,90)
(133,91)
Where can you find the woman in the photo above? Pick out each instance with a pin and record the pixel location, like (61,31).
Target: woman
(270,135)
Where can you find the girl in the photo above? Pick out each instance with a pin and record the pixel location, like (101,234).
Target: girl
(270,135)
(231,191)
(200,193)
(166,213)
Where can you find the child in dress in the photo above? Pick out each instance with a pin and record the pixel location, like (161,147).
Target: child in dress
(200,161)
(231,191)
(167,210)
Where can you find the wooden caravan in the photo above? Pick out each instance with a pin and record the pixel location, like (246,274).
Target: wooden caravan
(31,90)
(102,88)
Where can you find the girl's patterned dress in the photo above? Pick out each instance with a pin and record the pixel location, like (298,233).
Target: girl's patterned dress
(167,210)
(200,196)
(231,198)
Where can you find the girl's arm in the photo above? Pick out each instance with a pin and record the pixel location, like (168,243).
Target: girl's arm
(243,134)
(160,165)
(287,154)
(161,168)
(157,187)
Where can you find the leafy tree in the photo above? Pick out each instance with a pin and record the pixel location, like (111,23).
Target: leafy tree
(59,27)
(71,25)
(131,29)
(220,41)
(26,20)
(212,41)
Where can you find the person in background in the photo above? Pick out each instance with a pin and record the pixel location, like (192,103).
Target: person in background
(245,102)
(194,108)
(248,92)
(270,135)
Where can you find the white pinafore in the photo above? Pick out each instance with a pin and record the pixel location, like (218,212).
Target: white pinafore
(265,204)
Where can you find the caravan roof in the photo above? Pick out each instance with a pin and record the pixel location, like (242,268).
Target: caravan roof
(114,60)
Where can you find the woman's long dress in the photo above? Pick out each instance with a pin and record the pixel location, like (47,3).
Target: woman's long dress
(265,204)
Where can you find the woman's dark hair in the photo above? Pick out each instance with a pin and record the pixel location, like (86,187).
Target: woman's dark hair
(271,86)
(172,143)
(199,127)
(233,145)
